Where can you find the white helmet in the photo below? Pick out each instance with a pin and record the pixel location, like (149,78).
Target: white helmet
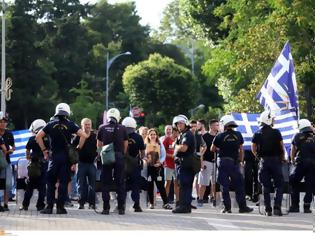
(62,109)
(37,125)
(305,125)
(129,122)
(266,118)
(113,113)
(180,118)
(2,116)
(228,120)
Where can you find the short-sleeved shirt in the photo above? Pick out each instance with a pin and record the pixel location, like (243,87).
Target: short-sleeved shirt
(188,139)
(199,142)
(8,141)
(135,144)
(60,133)
(106,135)
(305,144)
(208,138)
(169,148)
(87,153)
(229,143)
(35,149)
(268,141)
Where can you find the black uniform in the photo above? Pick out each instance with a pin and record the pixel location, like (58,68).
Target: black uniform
(305,167)
(40,181)
(270,150)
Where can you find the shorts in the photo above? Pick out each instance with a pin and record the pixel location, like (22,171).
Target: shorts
(169,173)
(7,175)
(207,174)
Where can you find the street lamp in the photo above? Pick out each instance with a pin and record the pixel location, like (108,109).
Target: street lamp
(200,106)
(109,62)
(3,89)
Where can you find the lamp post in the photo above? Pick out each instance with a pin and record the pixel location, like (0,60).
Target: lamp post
(3,89)
(200,106)
(109,62)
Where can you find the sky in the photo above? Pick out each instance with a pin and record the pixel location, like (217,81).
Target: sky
(150,11)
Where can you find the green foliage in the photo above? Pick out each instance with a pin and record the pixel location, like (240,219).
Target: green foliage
(85,104)
(161,87)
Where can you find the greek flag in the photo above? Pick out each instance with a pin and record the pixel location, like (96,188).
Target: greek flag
(285,122)
(280,90)
(21,138)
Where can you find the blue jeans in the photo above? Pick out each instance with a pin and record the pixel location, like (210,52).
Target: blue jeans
(86,176)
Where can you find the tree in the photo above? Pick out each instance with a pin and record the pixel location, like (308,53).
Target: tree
(161,87)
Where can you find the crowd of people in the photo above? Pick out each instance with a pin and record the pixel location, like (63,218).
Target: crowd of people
(186,155)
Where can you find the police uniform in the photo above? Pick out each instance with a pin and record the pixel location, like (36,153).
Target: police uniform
(106,136)
(270,150)
(185,174)
(135,145)
(38,183)
(59,166)
(229,143)
(305,167)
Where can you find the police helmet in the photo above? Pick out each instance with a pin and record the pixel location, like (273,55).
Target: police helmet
(2,116)
(228,121)
(266,118)
(305,125)
(62,109)
(129,122)
(180,118)
(113,113)
(37,125)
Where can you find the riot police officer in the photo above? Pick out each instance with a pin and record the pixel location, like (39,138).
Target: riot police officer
(60,130)
(229,145)
(303,156)
(115,133)
(183,152)
(136,150)
(267,145)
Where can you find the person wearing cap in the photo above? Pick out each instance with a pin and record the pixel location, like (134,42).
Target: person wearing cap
(35,155)
(60,130)
(303,157)
(229,145)
(7,173)
(183,153)
(267,145)
(136,150)
(115,133)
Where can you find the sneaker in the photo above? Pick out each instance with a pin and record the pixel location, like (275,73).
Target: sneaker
(47,210)
(268,213)
(81,206)
(23,208)
(121,211)
(61,211)
(307,209)
(167,206)
(226,210)
(105,212)
(200,203)
(277,212)
(151,206)
(68,204)
(294,209)
(245,210)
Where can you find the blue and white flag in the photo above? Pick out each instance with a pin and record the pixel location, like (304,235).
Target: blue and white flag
(280,90)
(21,138)
(285,122)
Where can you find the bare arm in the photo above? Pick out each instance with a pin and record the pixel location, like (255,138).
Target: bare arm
(181,148)
(241,154)
(254,149)
(293,153)
(28,154)
(39,139)
(125,146)
(213,148)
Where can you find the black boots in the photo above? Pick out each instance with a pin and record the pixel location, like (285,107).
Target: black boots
(277,211)
(47,210)
(307,207)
